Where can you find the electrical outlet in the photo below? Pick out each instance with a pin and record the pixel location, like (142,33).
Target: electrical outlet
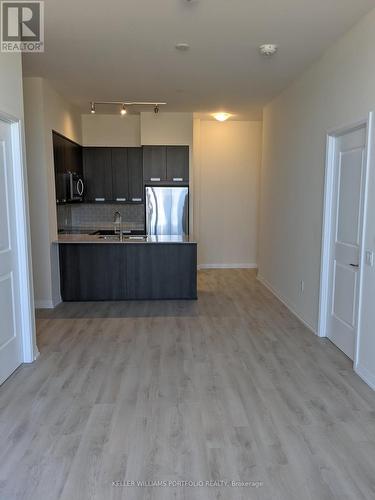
(302,286)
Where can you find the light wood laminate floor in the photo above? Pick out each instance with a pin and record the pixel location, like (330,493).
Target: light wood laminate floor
(231,387)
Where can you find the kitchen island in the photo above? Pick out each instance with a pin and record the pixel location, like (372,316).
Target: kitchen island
(94,267)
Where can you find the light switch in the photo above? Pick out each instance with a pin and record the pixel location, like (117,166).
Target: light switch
(370,258)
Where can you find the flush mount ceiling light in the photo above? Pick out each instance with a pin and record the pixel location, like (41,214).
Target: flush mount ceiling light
(182,46)
(268,49)
(125,104)
(221,117)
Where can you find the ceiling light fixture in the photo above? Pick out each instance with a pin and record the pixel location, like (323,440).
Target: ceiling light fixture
(268,49)
(156,109)
(221,117)
(125,105)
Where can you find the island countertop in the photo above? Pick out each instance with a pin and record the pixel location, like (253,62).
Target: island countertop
(97,239)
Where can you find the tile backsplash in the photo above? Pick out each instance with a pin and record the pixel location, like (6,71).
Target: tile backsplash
(81,216)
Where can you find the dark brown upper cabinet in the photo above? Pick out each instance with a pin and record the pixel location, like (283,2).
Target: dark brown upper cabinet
(166,164)
(73,157)
(127,175)
(178,164)
(155,163)
(97,172)
(135,168)
(67,157)
(113,174)
(120,173)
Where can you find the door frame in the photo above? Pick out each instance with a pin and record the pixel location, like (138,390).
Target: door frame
(328,219)
(27,320)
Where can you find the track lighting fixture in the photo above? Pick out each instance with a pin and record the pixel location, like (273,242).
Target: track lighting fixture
(124,105)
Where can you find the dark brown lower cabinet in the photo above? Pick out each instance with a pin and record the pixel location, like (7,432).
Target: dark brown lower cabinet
(128,271)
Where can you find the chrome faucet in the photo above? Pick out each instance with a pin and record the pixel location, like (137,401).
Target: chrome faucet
(117,219)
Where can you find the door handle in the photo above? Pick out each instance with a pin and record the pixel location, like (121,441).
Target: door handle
(155,179)
(178,179)
(136,199)
(99,199)
(354,265)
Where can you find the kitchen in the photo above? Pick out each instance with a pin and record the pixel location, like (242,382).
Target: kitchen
(123,222)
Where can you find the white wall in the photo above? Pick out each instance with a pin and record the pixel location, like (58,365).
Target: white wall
(227,159)
(45,110)
(111,130)
(11,103)
(173,129)
(338,89)
(136,130)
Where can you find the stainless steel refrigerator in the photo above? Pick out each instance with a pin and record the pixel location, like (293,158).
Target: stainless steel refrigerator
(167,210)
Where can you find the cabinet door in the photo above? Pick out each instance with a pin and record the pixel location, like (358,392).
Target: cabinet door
(154,163)
(135,167)
(59,163)
(120,174)
(98,174)
(73,157)
(178,164)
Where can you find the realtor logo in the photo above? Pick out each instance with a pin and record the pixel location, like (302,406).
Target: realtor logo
(22,26)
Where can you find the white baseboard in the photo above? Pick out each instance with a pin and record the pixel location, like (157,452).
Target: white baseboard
(286,303)
(36,355)
(227,266)
(366,376)
(46,304)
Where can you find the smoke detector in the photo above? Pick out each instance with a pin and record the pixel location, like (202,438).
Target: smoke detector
(182,46)
(268,49)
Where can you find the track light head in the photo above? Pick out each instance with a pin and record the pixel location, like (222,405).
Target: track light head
(156,109)
(93,108)
(123,110)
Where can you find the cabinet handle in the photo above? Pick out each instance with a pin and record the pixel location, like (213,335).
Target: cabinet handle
(136,199)
(155,179)
(99,199)
(120,199)
(178,179)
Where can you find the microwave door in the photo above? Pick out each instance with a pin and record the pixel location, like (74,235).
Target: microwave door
(76,187)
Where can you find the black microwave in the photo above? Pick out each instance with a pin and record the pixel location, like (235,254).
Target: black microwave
(76,187)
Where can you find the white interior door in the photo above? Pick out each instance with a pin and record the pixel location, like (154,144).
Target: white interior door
(349,184)
(10,314)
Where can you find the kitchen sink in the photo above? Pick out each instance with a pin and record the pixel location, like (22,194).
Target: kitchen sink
(125,237)
(111,237)
(104,232)
(111,232)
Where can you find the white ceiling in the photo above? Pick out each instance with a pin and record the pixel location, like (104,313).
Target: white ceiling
(124,49)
